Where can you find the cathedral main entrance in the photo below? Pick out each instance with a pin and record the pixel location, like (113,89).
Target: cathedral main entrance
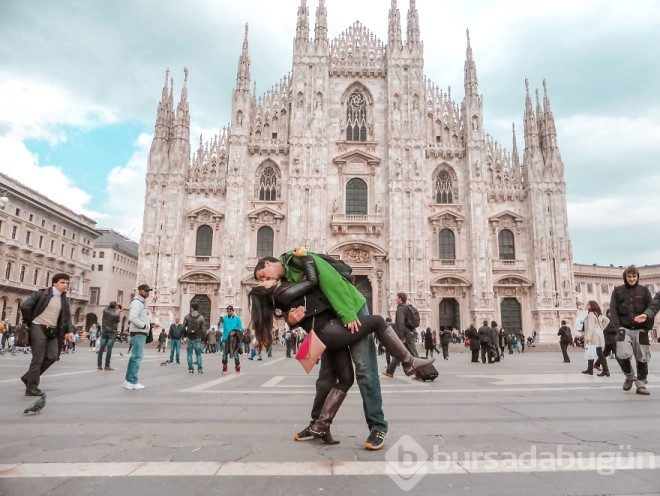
(364,285)
(204,303)
(450,316)
(510,312)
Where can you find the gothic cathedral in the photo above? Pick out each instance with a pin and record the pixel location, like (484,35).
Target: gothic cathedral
(357,154)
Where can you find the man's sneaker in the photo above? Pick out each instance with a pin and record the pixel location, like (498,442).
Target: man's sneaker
(191,371)
(643,390)
(375,440)
(138,386)
(129,385)
(238,368)
(305,434)
(99,367)
(224,368)
(199,370)
(387,374)
(628,383)
(110,369)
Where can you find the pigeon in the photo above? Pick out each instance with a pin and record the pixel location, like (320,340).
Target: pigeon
(36,406)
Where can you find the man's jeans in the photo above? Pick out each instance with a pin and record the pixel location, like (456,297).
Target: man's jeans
(137,352)
(366,374)
(175,344)
(197,345)
(107,342)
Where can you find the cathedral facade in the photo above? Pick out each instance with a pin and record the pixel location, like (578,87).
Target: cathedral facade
(356,153)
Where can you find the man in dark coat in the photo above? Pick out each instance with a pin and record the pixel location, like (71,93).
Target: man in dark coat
(628,305)
(565,338)
(484,343)
(47,313)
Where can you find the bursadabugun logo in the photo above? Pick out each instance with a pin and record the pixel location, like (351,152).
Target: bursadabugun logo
(406,463)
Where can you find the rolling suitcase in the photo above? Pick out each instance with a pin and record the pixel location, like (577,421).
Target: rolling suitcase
(428,373)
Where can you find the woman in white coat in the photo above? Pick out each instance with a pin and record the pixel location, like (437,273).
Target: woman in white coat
(593,335)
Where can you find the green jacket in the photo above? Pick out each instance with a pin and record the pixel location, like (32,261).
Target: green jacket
(346,299)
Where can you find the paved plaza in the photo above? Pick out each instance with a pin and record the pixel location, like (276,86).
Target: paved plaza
(530,425)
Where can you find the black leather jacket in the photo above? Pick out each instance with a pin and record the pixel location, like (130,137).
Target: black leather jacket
(35,304)
(307,293)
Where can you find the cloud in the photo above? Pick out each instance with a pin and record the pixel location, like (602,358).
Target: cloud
(20,164)
(35,110)
(125,191)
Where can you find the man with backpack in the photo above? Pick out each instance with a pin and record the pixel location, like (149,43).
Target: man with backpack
(406,322)
(565,338)
(193,329)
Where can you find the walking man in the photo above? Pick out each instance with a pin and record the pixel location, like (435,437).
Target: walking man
(628,305)
(174,335)
(231,323)
(565,338)
(48,314)
(140,324)
(193,329)
(109,323)
(406,334)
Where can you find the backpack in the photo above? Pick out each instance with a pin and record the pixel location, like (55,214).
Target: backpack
(412,317)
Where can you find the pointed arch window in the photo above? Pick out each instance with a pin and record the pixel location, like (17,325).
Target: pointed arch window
(204,241)
(444,188)
(268,184)
(507,245)
(265,237)
(356,197)
(356,118)
(447,245)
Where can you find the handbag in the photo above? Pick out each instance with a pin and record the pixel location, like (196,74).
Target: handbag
(310,351)
(150,336)
(22,335)
(590,352)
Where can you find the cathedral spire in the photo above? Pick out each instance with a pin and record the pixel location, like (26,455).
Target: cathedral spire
(321,26)
(243,74)
(302,26)
(182,118)
(413,24)
(515,158)
(163,124)
(550,129)
(531,129)
(394,29)
(470,80)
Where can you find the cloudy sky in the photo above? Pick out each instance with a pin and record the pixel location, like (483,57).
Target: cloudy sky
(80,82)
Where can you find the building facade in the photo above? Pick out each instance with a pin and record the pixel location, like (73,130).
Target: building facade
(39,238)
(113,275)
(358,154)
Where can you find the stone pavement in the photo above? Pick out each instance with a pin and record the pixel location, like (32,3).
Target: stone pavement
(528,425)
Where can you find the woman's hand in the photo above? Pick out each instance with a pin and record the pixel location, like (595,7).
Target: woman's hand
(295,315)
(354,326)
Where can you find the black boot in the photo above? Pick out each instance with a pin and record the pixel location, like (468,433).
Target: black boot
(590,368)
(321,428)
(398,350)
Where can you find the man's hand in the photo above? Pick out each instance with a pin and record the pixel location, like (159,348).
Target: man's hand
(354,326)
(640,319)
(295,315)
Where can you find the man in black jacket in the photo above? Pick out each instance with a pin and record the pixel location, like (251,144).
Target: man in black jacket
(47,313)
(484,342)
(627,306)
(193,325)
(109,324)
(175,334)
(405,333)
(565,338)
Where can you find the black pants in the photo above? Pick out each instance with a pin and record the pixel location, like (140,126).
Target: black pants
(609,348)
(486,352)
(475,355)
(45,352)
(409,342)
(445,350)
(335,336)
(564,351)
